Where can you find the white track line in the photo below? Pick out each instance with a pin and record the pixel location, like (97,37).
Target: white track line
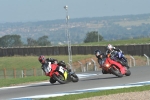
(84,90)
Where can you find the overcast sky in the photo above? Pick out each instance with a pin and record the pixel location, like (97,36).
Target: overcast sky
(41,10)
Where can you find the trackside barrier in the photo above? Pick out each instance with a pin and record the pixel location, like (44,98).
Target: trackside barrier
(133,60)
(76,50)
(81,66)
(22,74)
(95,67)
(87,66)
(130,62)
(19,73)
(147,59)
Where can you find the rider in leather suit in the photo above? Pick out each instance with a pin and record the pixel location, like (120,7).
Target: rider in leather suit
(116,54)
(101,57)
(45,64)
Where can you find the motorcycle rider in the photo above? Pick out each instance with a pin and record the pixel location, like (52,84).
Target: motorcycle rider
(116,54)
(101,57)
(45,62)
(45,65)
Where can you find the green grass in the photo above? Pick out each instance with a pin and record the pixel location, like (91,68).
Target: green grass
(99,93)
(15,81)
(28,62)
(118,42)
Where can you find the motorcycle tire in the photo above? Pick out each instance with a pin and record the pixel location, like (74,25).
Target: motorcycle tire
(59,79)
(128,72)
(116,72)
(74,77)
(51,80)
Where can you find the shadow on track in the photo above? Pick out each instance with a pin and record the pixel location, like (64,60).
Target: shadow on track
(98,78)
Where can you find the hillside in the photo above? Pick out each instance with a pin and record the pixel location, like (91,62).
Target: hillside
(111,28)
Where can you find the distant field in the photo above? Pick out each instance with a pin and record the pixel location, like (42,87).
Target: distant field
(126,23)
(118,42)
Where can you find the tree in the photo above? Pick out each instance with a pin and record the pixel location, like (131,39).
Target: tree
(10,41)
(43,41)
(31,42)
(92,37)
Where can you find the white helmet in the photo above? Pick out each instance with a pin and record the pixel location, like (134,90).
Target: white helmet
(109,46)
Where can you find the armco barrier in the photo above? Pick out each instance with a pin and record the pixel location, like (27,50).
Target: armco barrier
(83,50)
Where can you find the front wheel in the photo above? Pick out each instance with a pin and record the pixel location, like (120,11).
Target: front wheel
(60,78)
(116,72)
(74,77)
(128,72)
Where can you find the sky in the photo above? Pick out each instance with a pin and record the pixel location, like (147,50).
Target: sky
(42,10)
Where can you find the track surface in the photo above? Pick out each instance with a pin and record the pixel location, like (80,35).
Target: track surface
(90,80)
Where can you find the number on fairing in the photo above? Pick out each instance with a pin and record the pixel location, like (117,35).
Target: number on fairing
(61,69)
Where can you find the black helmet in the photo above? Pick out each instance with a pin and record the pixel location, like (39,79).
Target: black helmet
(62,63)
(97,53)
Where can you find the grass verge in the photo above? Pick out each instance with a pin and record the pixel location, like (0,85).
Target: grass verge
(17,81)
(118,42)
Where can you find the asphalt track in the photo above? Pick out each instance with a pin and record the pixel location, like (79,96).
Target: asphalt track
(87,80)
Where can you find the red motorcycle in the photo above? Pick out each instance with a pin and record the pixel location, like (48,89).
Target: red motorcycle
(112,67)
(59,73)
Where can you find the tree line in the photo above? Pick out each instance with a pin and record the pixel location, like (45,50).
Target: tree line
(15,40)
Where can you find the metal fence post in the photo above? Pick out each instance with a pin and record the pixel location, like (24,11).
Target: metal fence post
(24,72)
(147,59)
(95,67)
(21,73)
(4,73)
(87,65)
(34,71)
(82,70)
(133,60)
(130,62)
(14,70)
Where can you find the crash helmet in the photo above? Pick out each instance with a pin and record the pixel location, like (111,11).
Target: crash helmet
(41,59)
(109,47)
(97,53)
(62,63)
